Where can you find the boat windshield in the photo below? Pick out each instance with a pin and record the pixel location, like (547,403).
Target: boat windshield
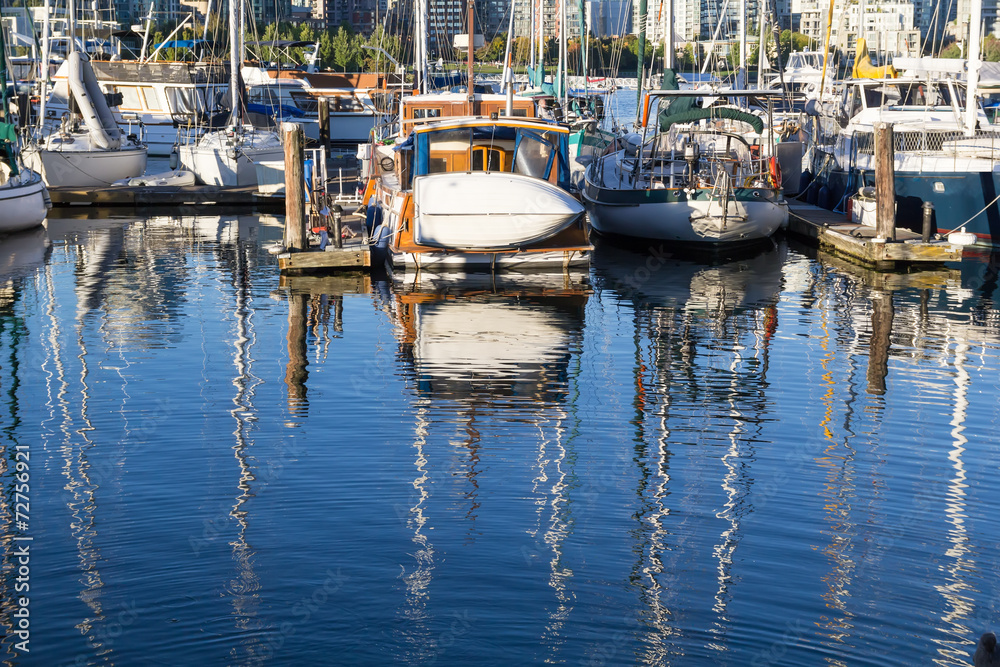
(538,153)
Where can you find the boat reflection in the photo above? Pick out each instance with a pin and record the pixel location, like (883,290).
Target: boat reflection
(491,356)
(22,253)
(473,338)
(701,332)
(713,286)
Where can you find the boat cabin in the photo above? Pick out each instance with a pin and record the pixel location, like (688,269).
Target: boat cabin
(527,147)
(897,94)
(420,108)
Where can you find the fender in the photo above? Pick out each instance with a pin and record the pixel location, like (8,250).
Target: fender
(93,107)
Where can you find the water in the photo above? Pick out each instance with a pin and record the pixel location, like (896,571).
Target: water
(773,460)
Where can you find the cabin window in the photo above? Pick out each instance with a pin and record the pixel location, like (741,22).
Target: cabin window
(437,165)
(523,113)
(130,97)
(151,98)
(304,101)
(426,113)
(533,155)
(487,159)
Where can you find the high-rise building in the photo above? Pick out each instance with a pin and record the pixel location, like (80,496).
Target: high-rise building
(609,17)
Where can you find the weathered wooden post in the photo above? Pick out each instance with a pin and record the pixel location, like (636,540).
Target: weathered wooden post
(885,182)
(295,200)
(324,122)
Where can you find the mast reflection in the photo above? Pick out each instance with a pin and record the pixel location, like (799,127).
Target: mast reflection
(487,348)
(702,331)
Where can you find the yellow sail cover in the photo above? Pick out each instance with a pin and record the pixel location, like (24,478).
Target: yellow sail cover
(863,68)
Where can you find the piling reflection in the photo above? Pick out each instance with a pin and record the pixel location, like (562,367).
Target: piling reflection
(316,312)
(943,316)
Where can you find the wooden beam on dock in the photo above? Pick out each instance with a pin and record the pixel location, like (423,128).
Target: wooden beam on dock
(331,259)
(835,233)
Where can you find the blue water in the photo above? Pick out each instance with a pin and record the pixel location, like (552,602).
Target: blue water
(776,459)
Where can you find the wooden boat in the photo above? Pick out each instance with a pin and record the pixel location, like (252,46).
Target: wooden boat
(475,191)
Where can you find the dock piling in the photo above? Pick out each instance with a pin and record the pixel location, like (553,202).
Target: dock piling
(885,182)
(324,122)
(927,229)
(337,212)
(295,208)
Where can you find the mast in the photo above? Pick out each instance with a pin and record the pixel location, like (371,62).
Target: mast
(643,11)
(541,33)
(668,35)
(561,71)
(741,67)
(44,69)
(420,46)
(531,35)
(975,63)
(508,70)
(236,118)
(471,5)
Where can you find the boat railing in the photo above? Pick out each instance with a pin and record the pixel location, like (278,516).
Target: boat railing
(949,143)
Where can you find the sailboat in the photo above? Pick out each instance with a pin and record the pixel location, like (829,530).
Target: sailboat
(229,156)
(23,197)
(87,148)
(685,181)
(706,176)
(946,150)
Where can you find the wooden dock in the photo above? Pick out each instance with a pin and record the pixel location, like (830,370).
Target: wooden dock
(835,233)
(164,195)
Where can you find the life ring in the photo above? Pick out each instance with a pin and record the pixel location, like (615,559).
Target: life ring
(774,171)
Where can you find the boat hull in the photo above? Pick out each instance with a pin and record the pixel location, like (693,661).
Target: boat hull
(489,211)
(214,162)
(674,216)
(487,261)
(85,168)
(24,203)
(970,198)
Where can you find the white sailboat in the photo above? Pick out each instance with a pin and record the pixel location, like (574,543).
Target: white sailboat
(23,198)
(228,156)
(87,148)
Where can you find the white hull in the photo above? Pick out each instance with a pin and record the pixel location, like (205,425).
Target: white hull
(68,167)
(690,221)
(23,203)
(214,161)
(479,261)
(486,211)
